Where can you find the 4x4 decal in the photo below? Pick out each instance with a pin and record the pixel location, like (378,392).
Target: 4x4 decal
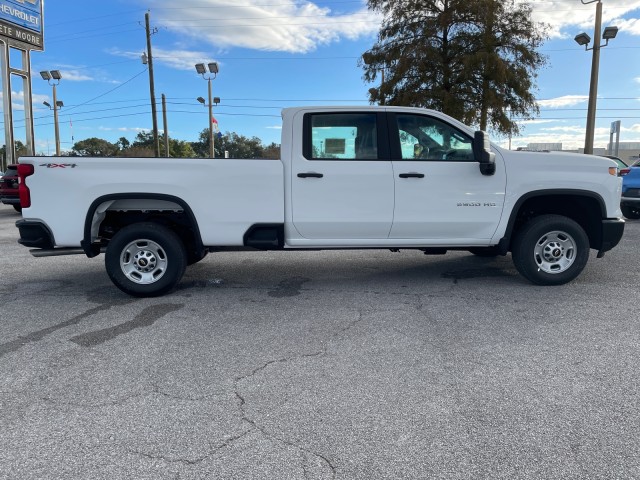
(59,165)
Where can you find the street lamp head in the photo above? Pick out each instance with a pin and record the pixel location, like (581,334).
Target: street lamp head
(609,33)
(201,100)
(46,104)
(200,68)
(59,103)
(582,39)
(216,100)
(213,67)
(45,75)
(56,74)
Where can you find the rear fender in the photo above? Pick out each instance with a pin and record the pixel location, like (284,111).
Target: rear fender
(135,202)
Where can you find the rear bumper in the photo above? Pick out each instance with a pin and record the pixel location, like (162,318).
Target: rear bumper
(612,230)
(35,234)
(10,200)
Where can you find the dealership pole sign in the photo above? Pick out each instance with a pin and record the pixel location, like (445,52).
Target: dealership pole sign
(21,23)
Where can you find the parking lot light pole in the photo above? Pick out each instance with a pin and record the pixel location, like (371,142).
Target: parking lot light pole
(201,68)
(57,105)
(583,39)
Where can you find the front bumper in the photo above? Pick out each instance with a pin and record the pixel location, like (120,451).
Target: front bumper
(35,234)
(630,201)
(612,230)
(630,196)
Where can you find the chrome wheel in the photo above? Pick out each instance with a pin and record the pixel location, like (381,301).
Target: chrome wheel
(143,261)
(555,252)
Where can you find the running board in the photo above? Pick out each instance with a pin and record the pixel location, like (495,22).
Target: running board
(54,252)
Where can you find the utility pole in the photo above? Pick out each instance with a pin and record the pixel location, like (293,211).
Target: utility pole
(583,39)
(164,125)
(156,142)
(201,68)
(593,84)
(55,120)
(56,76)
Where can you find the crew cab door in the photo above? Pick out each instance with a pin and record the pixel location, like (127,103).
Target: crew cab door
(440,193)
(342,181)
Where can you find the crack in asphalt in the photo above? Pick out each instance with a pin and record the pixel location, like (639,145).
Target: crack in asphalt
(113,403)
(155,388)
(213,449)
(254,425)
(184,461)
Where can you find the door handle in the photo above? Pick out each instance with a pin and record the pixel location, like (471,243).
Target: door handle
(310,175)
(411,175)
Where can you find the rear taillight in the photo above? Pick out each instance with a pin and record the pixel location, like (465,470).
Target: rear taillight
(624,171)
(24,170)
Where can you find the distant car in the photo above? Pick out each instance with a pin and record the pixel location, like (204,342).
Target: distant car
(621,163)
(630,201)
(9,187)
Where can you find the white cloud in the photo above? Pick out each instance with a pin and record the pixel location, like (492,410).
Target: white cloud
(17,100)
(75,76)
(124,129)
(285,26)
(567,129)
(630,26)
(564,15)
(275,127)
(564,101)
(535,121)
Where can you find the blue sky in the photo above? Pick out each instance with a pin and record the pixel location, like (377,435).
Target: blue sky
(279,53)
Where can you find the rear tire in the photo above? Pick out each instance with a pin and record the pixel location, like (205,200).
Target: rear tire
(632,213)
(145,260)
(550,250)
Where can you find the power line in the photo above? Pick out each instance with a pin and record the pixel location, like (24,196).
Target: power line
(109,91)
(71,37)
(110,27)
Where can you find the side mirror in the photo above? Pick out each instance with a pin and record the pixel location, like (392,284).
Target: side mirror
(483,154)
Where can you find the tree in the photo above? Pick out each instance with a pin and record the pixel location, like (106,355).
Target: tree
(95,147)
(142,146)
(272,151)
(473,60)
(238,146)
(178,148)
(21,150)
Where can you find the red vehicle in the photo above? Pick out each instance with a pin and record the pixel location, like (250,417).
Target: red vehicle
(9,187)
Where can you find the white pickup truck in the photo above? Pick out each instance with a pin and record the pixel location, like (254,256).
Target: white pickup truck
(349,177)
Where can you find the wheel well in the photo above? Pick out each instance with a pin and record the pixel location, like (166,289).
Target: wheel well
(586,210)
(107,216)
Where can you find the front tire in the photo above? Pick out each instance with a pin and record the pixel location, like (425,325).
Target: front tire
(145,260)
(550,250)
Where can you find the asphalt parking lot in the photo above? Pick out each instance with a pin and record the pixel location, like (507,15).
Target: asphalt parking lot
(319,365)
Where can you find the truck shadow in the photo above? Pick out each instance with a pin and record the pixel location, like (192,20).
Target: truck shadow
(284,275)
